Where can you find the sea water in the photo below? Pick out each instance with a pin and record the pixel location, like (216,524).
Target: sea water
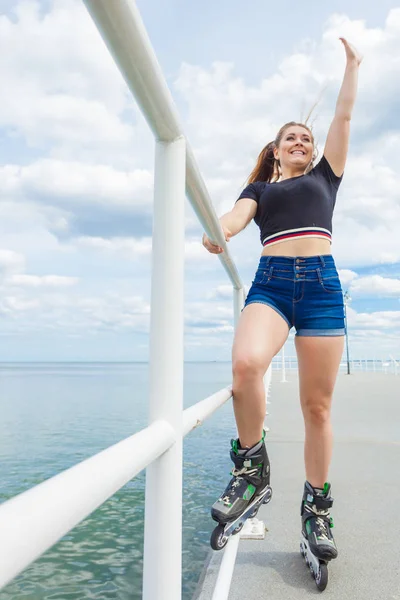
(55,415)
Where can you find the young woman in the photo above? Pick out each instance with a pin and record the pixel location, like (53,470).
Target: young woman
(296,284)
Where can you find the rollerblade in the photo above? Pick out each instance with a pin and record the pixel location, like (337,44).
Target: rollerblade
(247,490)
(317,545)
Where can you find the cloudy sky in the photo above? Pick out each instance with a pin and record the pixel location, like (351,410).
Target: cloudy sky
(76,166)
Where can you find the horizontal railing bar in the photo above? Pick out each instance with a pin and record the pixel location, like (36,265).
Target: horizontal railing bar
(196,414)
(201,203)
(125,35)
(123,31)
(35,520)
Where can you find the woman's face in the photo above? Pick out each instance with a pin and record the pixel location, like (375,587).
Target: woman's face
(296,148)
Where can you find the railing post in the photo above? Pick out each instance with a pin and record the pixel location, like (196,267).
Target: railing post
(163,513)
(283,380)
(238,303)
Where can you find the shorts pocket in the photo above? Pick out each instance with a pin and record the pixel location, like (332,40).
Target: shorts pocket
(330,282)
(263,276)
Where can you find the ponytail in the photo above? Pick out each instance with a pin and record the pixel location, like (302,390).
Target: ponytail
(265,168)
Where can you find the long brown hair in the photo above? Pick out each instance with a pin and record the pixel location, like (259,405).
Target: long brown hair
(267,167)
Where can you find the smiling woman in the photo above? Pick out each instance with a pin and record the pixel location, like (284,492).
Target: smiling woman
(294,200)
(296,284)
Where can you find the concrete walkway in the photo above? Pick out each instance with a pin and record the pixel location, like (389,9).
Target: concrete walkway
(365,477)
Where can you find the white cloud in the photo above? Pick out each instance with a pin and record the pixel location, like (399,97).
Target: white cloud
(113,312)
(138,248)
(73,313)
(223,292)
(207,318)
(54,88)
(59,182)
(376,285)
(346,276)
(384,321)
(195,252)
(132,248)
(41,281)
(12,304)
(63,119)
(11,262)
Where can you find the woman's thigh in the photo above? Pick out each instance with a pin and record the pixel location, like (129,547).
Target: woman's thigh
(259,336)
(319,361)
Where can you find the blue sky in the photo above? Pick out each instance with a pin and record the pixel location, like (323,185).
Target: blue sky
(76,167)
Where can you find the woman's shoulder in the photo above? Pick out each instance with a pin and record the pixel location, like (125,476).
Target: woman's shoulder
(323,169)
(253,190)
(260,184)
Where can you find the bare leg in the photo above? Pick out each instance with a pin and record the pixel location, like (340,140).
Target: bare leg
(319,360)
(318,447)
(260,334)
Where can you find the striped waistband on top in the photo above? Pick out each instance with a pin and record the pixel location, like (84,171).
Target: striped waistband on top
(301,232)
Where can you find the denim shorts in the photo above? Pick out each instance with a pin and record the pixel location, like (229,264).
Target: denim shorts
(304,290)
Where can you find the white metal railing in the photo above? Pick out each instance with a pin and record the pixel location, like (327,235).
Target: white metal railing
(372,365)
(33,521)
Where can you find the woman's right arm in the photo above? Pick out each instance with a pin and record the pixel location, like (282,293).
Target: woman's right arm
(233,222)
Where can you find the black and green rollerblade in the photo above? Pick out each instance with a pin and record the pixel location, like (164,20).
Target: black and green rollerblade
(317,544)
(248,489)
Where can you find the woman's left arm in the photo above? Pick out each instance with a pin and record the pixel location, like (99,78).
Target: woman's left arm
(337,141)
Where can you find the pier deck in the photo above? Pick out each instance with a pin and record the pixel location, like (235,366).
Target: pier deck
(365,477)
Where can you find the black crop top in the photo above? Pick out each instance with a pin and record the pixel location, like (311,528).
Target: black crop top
(297,207)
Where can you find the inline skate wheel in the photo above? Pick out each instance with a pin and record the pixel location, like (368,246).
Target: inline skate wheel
(254,513)
(218,539)
(321,578)
(239,528)
(268,496)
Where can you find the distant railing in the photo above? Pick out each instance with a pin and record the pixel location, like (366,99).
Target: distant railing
(387,366)
(33,521)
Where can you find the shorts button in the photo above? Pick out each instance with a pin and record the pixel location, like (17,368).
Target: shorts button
(297,260)
(297,275)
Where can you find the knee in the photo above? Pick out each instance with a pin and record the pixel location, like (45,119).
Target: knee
(246,368)
(317,413)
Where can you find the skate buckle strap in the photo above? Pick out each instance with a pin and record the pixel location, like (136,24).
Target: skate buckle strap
(311,508)
(319,501)
(244,471)
(322,518)
(225,500)
(322,530)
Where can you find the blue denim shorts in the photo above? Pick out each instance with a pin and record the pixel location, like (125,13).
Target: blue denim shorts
(304,290)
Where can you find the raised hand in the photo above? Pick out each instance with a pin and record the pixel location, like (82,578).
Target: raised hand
(351,53)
